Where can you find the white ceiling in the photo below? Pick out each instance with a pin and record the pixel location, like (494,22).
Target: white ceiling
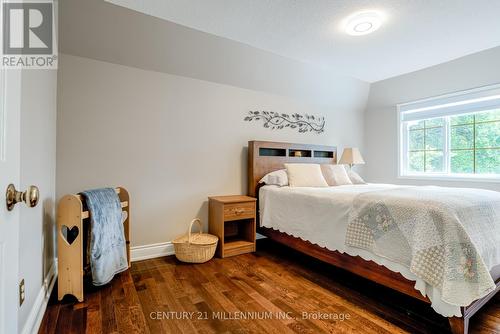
(417,33)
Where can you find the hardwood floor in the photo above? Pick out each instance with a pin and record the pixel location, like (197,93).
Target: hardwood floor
(275,285)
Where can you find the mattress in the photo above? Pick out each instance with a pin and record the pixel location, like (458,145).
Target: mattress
(321,216)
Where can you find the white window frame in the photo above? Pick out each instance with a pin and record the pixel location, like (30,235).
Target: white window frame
(403,141)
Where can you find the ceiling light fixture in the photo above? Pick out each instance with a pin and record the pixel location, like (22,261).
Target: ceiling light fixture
(363,23)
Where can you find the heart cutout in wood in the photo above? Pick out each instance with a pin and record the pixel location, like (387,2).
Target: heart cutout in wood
(70,234)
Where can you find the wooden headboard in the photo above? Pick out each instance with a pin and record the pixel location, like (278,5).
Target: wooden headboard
(265,157)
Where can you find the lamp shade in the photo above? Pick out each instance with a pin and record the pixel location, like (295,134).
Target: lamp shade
(351,156)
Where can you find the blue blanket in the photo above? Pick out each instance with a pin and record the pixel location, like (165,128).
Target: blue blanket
(108,255)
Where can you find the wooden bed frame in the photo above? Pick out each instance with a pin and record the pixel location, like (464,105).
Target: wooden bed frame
(265,157)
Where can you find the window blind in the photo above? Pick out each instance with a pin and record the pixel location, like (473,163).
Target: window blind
(474,100)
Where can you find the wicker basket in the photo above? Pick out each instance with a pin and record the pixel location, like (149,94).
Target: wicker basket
(196,248)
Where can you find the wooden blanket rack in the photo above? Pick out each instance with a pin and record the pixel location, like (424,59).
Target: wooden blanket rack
(73,218)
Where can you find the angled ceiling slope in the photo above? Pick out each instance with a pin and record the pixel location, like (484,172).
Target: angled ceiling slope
(416,34)
(100,30)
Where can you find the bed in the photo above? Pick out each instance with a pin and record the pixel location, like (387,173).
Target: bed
(283,211)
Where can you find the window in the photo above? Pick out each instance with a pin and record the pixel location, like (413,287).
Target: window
(452,136)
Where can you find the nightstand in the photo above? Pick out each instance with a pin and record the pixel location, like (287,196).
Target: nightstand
(232,219)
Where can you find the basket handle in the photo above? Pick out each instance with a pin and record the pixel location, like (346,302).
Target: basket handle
(196,220)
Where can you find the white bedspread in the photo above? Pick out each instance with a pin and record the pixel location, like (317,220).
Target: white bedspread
(320,216)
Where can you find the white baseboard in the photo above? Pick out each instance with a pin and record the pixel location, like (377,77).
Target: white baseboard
(151,251)
(36,315)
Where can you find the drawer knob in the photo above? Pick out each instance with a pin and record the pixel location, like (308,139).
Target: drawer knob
(238,211)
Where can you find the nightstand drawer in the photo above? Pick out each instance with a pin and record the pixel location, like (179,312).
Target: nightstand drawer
(239,211)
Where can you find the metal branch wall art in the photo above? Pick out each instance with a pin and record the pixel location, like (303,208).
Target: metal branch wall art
(276,121)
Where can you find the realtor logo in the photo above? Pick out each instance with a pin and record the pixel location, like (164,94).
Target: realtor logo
(27,38)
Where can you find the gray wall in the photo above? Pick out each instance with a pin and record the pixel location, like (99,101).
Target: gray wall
(171,140)
(381,141)
(158,108)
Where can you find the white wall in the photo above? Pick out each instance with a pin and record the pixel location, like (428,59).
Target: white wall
(171,140)
(38,167)
(381,126)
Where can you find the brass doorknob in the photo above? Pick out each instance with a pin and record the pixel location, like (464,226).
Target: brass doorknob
(30,196)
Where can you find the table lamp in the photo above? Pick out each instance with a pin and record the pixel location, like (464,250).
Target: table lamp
(351,156)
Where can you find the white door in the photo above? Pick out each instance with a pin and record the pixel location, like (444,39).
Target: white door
(10,104)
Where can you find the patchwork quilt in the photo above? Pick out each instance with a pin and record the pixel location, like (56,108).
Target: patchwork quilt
(448,237)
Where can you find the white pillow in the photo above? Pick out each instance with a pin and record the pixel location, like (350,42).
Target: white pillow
(355,178)
(278,178)
(335,175)
(305,175)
